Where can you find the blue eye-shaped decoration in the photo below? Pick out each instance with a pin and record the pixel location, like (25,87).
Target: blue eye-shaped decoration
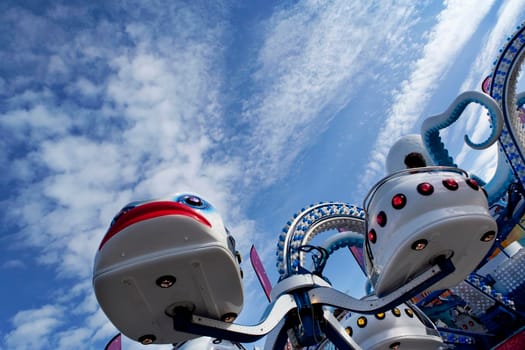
(193,201)
(124,210)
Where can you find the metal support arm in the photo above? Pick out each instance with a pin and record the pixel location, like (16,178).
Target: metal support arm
(275,318)
(333,297)
(204,326)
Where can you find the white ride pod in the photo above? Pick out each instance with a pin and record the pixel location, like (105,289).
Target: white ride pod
(403,327)
(162,254)
(417,216)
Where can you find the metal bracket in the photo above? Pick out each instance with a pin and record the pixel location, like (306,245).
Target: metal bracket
(204,326)
(333,297)
(315,292)
(337,334)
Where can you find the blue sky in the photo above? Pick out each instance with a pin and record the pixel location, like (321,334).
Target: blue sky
(261,107)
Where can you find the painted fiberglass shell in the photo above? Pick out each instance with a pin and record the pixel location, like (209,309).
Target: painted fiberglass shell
(415,217)
(161,254)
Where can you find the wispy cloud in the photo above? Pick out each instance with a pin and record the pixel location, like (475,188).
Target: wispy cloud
(313,59)
(13,264)
(102,109)
(33,328)
(455,25)
(98,110)
(104,114)
(510,14)
(116,108)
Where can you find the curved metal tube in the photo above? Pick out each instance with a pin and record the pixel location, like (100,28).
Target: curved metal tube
(428,169)
(333,297)
(185,321)
(343,239)
(310,222)
(502,87)
(204,326)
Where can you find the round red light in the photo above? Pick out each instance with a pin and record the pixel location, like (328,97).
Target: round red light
(399,201)
(473,184)
(450,184)
(425,189)
(381,219)
(372,237)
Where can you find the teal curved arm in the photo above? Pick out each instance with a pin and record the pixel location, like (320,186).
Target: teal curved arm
(431,126)
(497,186)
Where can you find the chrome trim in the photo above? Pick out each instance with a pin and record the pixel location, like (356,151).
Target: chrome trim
(428,169)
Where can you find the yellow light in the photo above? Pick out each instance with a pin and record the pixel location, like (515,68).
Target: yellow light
(409,312)
(380,315)
(361,321)
(396,312)
(349,331)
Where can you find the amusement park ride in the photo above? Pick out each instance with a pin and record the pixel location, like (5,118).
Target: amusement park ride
(435,242)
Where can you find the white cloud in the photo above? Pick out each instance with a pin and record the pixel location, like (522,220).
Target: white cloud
(309,67)
(13,264)
(154,132)
(36,123)
(509,16)
(73,338)
(85,87)
(484,165)
(156,125)
(33,328)
(456,24)
(57,65)
(102,329)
